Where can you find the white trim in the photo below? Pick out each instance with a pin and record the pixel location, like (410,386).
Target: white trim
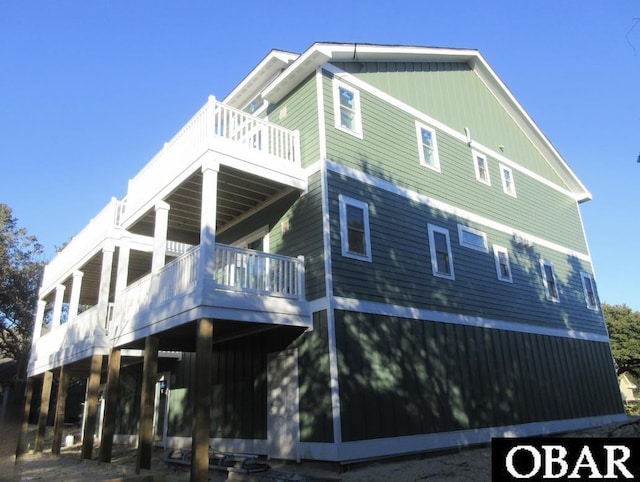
(331,321)
(477,154)
(337,107)
(481,234)
(344,228)
(546,281)
(421,116)
(374,308)
(385,447)
(496,255)
(449,209)
(434,147)
(588,277)
(260,233)
(450,273)
(508,186)
(322,132)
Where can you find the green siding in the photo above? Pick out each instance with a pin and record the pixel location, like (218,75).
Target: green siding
(438,377)
(304,237)
(389,151)
(401,272)
(456,96)
(298,110)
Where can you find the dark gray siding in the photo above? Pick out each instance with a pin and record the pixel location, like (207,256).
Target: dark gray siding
(401,270)
(402,376)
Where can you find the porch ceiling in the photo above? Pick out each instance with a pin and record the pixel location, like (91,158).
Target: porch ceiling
(239,193)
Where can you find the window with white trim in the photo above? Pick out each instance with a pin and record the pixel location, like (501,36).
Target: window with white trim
(481,166)
(508,183)
(427,147)
(440,249)
(472,238)
(589,288)
(346,108)
(503,265)
(549,280)
(354,229)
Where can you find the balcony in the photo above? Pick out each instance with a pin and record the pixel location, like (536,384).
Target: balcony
(248,286)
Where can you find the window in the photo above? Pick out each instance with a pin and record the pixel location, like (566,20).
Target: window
(354,229)
(481,166)
(427,147)
(346,109)
(549,280)
(472,238)
(503,266)
(589,287)
(508,184)
(440,248)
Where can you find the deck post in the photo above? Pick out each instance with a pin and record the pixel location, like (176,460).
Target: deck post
(208,209)
(61,400)
(202,401)
(160,236)
(21,446)
(147,400)
(93,387)
(47,382)
(112,395)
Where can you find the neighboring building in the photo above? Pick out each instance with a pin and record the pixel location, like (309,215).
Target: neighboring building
(627,389)
(386,250)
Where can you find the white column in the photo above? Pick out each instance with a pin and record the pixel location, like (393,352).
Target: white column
(160,236)
(208,211)
(105,283)
(123,266)
(76,287)
(37,324)
(57,306)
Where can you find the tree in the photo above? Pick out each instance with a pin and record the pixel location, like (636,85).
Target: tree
(21,267)
(624,331)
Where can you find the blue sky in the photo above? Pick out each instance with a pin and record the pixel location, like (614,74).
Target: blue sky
(89,91)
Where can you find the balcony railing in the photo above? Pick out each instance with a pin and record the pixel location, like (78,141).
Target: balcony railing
(220,127)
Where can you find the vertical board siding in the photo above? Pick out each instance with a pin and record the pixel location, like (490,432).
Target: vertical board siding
(401,274)
(455,95)
(400,379)
(389,151)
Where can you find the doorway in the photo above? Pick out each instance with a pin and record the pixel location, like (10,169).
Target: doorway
(283,427)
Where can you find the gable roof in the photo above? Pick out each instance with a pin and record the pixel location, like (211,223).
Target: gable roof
(280,72)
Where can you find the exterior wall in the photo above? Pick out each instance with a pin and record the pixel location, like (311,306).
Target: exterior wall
(455,95)
(401,273)
(442,377)
(389,151)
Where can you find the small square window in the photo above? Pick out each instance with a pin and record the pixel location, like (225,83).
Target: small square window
(354,229)
(589,287)
(481,166)
(549,280)
(508,183)
(427,147)
(472,238)
(440,249)
(346,109)
(503,265)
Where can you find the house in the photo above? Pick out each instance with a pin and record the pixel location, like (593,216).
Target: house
(361,251)
(627,388)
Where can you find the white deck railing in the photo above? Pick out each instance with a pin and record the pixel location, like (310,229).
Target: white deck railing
(254,271)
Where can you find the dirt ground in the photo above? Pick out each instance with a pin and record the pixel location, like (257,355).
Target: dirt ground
(469,464)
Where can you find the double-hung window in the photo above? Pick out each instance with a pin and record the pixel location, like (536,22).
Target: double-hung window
(440,249)
(549,280)
(346,108)
(354,229)
(508,183)
(503,265)
(427,147)
(589,287)
(481,166)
